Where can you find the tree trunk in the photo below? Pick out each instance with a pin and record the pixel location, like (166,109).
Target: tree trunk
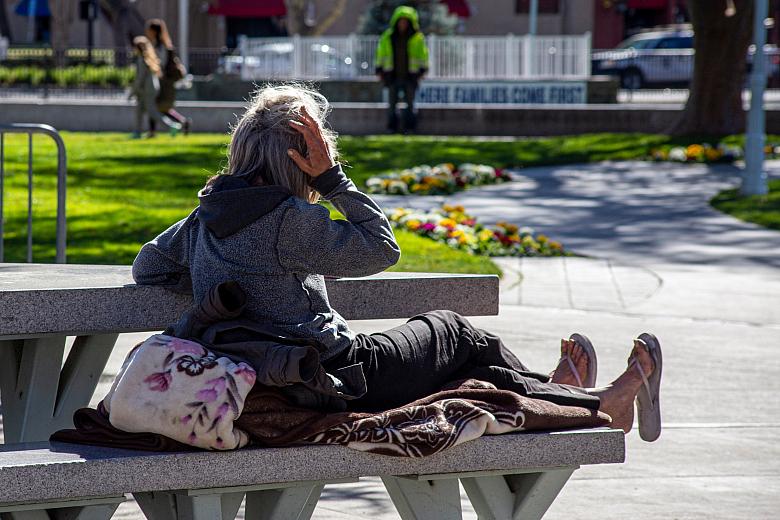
(61,18)
(714,106)
(296,17)
(296,11)
(335,14)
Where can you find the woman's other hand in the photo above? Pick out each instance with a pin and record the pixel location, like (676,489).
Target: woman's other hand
(319,159)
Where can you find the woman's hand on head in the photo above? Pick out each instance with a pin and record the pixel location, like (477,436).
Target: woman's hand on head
(319,159)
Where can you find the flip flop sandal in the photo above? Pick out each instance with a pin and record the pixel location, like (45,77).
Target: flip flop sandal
(590,354)
(648,400)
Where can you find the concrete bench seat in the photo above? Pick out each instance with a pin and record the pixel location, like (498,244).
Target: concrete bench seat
(506,476)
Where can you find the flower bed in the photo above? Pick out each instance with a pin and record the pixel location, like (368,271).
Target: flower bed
(441,179)
(706,153)
(453,226)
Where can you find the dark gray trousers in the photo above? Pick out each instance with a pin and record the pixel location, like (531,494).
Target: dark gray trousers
(432,349)
(409,88)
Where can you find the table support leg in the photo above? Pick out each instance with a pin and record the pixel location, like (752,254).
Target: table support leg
(39,393)
(292,503)
(425,499)
(520,496)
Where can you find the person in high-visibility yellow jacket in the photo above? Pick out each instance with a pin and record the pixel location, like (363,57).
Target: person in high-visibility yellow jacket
(401,60)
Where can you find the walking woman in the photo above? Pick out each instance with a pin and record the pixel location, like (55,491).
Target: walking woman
(172,71)
(147,86)
(259,224)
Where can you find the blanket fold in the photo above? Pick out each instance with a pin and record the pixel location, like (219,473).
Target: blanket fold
(466,411)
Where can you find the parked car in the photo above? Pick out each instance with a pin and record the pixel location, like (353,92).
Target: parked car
(660,57)
(275,59)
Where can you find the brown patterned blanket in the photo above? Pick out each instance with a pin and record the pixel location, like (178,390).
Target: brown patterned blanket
(463,412)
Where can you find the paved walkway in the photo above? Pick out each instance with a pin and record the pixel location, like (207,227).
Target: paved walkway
(633,212)
(706,284)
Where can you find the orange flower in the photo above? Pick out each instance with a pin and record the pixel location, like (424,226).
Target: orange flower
(448,223)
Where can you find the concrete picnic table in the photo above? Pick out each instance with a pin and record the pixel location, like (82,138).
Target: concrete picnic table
(42,304)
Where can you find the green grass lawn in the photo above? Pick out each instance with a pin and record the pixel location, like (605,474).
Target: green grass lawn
(763,210)
(122,192)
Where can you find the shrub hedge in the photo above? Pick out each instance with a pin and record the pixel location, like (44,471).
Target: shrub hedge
(73,76)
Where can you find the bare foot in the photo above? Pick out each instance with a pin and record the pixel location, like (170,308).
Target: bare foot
(617,399)
(563,373)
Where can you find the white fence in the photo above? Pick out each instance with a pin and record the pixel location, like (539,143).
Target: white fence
(451,57)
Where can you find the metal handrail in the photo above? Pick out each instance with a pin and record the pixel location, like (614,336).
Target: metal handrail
(30,129)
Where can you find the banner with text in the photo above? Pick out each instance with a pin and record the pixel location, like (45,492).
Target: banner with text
(502,92)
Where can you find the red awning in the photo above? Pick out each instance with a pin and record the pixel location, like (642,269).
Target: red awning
(248,8)
(458,7)
(648,4)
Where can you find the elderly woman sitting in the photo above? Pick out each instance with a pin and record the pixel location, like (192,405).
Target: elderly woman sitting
(259,224)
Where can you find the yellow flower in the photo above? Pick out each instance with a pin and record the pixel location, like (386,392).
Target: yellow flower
(555,245)
(413,224)
(485,235)
(418,187)
(541,238)
(447,208)
(511,229)
(460,209)
(694,150)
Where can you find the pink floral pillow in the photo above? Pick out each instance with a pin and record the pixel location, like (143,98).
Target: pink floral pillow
(177,388)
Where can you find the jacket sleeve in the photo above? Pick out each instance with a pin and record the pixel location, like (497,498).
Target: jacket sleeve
(418,54)
(310,241)
(166,259)
(383,61)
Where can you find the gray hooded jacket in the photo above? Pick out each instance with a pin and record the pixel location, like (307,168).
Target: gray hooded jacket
(278,248)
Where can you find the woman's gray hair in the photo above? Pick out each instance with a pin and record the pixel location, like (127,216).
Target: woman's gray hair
(260,140)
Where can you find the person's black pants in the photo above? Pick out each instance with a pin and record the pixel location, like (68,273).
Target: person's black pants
(432,349)
(409,89)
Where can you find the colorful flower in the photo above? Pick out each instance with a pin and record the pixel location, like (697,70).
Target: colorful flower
(159,381)
(195,366)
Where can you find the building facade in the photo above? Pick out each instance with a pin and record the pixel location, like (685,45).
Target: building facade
(217,23)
